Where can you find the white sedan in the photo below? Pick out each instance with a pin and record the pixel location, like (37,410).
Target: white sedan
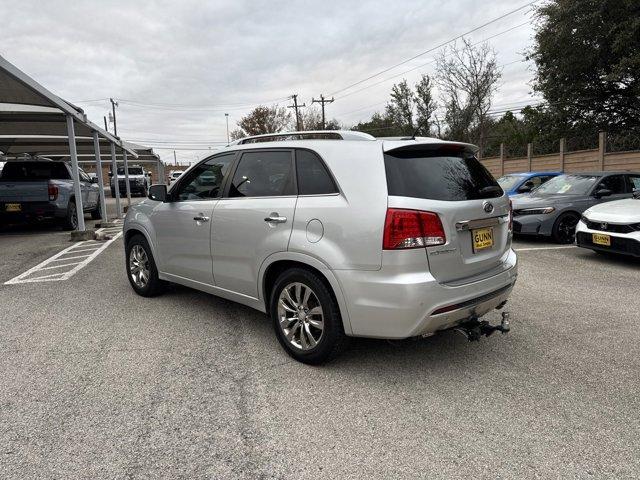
(611,227)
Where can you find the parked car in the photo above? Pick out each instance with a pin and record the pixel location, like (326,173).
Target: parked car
(516,183)
(174,175)
(612,227)
(554,208)
(406,238)
(43,190)
(138,181)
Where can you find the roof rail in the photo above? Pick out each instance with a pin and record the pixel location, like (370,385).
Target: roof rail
(306,135)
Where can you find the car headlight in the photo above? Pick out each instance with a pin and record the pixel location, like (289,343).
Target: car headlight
(534,211)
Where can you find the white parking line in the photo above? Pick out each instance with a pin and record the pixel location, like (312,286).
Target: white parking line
(93,246)
(529,249)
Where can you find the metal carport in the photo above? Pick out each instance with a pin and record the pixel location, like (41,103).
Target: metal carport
(34,121)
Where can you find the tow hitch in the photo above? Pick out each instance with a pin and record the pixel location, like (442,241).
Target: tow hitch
(473,328)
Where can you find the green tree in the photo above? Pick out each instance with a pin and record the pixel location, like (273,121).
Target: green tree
(425,106)
(399,110)
(587,54)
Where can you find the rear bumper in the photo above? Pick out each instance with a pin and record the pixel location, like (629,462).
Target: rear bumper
(30,211)
(623,244)
(394,303)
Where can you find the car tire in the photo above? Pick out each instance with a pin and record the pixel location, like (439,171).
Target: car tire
(302,338)
(95,213)
(141,267)
(564,228)
(70,221)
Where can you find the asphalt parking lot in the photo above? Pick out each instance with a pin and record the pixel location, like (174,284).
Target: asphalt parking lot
(96,382)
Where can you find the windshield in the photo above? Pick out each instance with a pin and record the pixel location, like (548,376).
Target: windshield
(507,182)
(568,185)
(132,170)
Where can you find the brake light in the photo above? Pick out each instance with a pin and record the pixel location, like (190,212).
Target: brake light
(510,215)
(412,229)
(53,192)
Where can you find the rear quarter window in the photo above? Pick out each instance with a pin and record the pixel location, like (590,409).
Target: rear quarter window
(313,177)
(438,175)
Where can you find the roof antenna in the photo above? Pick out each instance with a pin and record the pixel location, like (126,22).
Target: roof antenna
(415,132)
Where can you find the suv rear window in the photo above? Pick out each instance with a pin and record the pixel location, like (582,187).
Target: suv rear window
(438,175)
(31,171)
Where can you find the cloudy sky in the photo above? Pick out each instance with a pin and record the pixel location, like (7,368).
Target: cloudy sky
(177,67)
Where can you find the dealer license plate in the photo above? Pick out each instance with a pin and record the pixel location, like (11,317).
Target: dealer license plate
(13,207)
(600,239)
(482,238)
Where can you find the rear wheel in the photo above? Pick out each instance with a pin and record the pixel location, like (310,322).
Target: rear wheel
(141,268)
(564,230)
(96,213)
(306,317)
(70,221)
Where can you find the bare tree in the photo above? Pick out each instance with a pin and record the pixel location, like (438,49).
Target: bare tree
(468,78)
(311,119)
(262,120)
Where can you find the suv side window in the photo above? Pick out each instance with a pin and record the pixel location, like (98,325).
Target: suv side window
(263,174)
(615,183)
(313,177)
(205,180)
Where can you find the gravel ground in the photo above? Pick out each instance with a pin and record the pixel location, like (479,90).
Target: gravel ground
(96,382)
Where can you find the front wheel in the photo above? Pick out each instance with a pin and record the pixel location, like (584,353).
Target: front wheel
(141,268)
(306,317)
(564,230)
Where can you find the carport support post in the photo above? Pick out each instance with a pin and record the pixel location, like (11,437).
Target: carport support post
(103,203)
(76,174)
(126,177)
(114,176)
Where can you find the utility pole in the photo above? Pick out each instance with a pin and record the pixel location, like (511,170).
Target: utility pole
(322,101)
(113,109)
(227,117)
(175,160)
(106,129)
(295,105)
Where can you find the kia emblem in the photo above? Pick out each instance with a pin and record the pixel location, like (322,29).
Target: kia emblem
(488,207)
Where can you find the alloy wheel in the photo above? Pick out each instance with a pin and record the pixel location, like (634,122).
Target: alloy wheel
(300,316)
(139,266)
(567,228)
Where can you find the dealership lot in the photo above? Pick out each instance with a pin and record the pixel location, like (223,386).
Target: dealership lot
(98,381)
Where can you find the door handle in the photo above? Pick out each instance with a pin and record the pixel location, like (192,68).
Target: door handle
(201,218)
(275,218)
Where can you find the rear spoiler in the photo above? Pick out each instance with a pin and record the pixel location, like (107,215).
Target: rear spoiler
(405,145)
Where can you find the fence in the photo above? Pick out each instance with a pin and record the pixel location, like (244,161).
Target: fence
(595,153)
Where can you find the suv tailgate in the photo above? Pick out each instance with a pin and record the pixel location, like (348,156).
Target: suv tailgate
(448,180)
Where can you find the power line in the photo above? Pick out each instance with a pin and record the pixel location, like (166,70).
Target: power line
(436,47)
(431,62)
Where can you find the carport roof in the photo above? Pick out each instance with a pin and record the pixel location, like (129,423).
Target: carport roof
(34,121)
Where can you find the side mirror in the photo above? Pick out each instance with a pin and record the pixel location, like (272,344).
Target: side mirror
(602,192)
(527,187)
(158,193)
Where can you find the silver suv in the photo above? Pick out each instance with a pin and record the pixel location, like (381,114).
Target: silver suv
(333,234)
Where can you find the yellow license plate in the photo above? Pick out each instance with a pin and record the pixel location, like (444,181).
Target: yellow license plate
(13,207)
(482,238)
(600,239)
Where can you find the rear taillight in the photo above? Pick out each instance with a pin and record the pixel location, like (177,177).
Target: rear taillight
(53,192)
(412,229)
(510,215)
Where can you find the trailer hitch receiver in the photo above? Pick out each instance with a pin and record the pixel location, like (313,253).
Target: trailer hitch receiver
(473,328)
